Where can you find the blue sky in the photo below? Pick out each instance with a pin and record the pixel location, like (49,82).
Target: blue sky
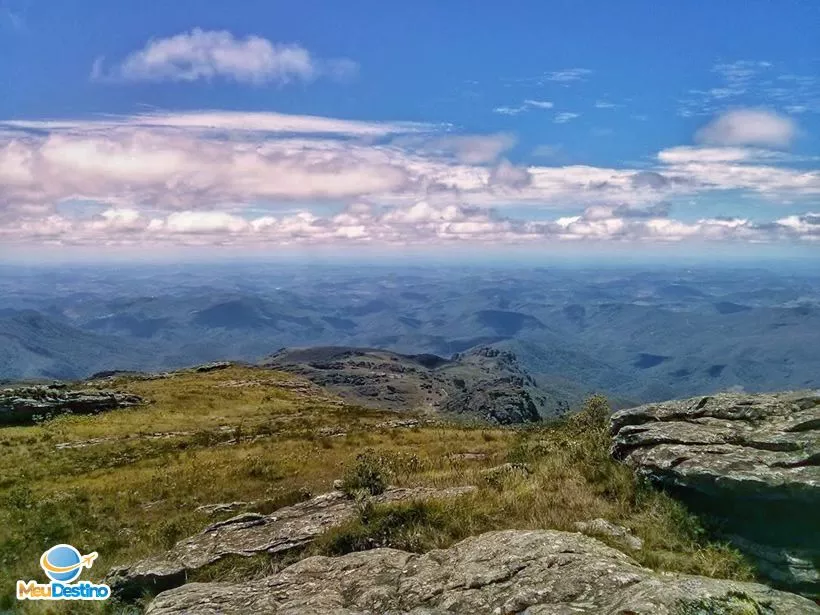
(261,126)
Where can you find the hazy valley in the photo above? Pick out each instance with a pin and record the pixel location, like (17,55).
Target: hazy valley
(637,335)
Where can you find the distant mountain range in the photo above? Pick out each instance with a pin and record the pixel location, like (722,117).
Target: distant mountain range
(636,335)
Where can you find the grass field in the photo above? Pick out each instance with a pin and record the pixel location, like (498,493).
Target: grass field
(127,483)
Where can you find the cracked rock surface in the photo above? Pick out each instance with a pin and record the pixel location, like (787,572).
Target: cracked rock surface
(248,534)
(749,462)
(534,572)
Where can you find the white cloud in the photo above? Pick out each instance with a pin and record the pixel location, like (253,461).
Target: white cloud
(802,225)
(509,110)
(797,109)
(121,219)
(753,82)
(563,118)
(539,104)
(568,75)
(527,105)
(203,222)
(277,122)
(738,168)
(507,175)
(738,75)
(206,55)
(603,104)
(684,153)
(749,127)
(177,169)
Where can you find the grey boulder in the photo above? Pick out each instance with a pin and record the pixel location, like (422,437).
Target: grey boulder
(748,462)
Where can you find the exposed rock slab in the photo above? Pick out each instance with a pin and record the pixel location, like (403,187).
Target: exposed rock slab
(21,405)
(249,534)
(533,572)
(751,462)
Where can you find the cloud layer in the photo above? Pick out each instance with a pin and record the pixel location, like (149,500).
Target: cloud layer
(422,223)
(234,178)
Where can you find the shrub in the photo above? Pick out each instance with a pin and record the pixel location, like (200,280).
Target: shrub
(400,526)
(370,473)
(168,532)
(404,464)
(525,450)
(258,467)
(593,419)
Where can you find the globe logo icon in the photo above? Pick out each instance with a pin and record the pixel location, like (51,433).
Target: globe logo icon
(63,563)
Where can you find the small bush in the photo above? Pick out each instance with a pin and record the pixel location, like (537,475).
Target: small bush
(169,532)
(370,473)
(404,464)
(593,419)
(525,450)
(400,526)
(260,468)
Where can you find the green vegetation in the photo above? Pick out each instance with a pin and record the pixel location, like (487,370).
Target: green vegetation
(128,483)
(370,474)
(570,478)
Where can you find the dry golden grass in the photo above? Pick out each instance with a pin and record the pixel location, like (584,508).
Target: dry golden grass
(252,435)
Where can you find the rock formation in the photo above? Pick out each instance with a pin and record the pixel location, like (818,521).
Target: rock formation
(506,572)
(486,383)
(750,463)
(21,405)
(250,533)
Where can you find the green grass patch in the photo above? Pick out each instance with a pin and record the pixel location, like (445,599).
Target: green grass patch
(130,481)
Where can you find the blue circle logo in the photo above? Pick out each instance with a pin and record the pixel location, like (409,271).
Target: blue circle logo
(62,563)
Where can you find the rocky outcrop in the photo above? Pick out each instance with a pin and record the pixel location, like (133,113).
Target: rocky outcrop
(22,405)
(503,392)
(249,534)
(750,463)
(485,383)
(212,367)
(535,572)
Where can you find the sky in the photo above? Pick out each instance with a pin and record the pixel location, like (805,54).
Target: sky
(261,127)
